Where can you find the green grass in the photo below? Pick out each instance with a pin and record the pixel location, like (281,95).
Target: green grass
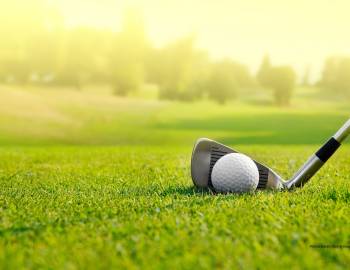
(92,181)
(51,117)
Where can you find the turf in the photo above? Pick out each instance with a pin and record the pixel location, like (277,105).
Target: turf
(113,189)
(134,207)
(64,117)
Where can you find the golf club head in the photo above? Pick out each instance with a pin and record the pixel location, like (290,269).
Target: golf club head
(207,152)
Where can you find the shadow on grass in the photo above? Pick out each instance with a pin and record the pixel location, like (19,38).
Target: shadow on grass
(186,191)
(156,190)
(267,128)
(194,191)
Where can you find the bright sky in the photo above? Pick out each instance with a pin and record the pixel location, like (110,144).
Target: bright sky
(301,33)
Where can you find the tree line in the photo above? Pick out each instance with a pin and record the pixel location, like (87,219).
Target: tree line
(40,50)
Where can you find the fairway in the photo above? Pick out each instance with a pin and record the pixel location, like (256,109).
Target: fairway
(91,181)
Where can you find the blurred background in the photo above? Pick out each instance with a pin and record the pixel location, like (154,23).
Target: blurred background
(166,72)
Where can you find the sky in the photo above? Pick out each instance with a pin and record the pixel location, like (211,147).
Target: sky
(301,33)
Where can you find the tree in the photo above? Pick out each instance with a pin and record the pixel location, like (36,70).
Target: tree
(179,69)
(305,81)
(264,71)
(80,53)
(336,75)
(222,84)
(282,81)
(128,55)
(21,21)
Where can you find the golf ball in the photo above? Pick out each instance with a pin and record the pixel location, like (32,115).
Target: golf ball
(235,173)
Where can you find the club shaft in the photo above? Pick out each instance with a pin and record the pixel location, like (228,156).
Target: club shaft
(343,132)
(317,160)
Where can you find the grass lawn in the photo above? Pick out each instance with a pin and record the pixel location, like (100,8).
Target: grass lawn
(93,181)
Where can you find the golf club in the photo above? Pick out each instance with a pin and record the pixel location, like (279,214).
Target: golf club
(207,152)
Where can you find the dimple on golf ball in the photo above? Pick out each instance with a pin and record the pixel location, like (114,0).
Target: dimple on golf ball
(235,173)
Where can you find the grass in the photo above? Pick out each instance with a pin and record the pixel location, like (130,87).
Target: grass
(64,117)
(91,181)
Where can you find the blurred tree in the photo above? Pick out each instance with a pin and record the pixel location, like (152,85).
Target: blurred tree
(20,22)
(241,74)
(32,50)
(129,55)
(179,70)
(264,71)
(282,81)
(336,75)
(222,83)
(44,47)
(305,81)
(79,55)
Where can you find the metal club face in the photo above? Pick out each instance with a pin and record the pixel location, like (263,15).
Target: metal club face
(207,152)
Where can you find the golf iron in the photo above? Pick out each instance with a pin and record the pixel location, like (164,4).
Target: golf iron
(207,152)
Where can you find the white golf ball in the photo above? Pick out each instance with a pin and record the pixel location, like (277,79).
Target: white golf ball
(235,173)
